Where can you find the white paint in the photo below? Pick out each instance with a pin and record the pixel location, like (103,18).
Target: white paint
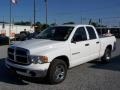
(77,53)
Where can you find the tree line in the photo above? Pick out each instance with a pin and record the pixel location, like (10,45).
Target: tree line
(40,26)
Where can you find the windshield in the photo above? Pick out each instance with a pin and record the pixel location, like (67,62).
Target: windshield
(60,33)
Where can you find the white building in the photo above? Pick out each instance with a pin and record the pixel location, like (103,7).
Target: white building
(15,29)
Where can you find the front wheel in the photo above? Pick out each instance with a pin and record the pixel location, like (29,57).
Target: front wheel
(107,56)
(57,71)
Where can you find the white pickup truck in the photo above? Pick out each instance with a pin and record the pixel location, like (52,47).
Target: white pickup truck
(57,49)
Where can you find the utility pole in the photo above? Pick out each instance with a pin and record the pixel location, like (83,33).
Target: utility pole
(100,22)
(3,26)
(46,7)
(119,24)
(81,20)
(34,6)
(10,18)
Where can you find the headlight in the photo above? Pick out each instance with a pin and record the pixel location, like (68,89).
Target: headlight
(39,59)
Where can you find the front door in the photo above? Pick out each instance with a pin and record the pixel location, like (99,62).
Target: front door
(80,47)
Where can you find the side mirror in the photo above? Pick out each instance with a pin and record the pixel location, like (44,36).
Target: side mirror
(73,42)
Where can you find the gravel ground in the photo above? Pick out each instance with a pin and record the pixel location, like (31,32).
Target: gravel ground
(89,76)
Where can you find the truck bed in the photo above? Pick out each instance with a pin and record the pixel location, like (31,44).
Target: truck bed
(105,35)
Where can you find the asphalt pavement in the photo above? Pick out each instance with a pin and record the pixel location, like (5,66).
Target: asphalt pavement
(3,51)
(89,76)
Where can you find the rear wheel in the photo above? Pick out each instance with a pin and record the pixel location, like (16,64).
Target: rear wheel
(107,56)
(57,71)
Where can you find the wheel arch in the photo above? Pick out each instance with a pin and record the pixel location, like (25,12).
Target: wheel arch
(64,58)
(109,47)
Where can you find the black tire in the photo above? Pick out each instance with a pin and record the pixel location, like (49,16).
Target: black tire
(107,56)
(57,71)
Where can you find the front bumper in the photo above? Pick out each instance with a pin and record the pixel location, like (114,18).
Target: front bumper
(32,70)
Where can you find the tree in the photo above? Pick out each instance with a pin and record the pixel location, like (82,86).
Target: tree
(94,24)
(38,23)
(69,23)
(53,24)
(44,26)
(23,23)
(90,21)
(38,26)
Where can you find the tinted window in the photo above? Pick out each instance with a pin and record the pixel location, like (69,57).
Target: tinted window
(91,33)
(59,33)
(80,35)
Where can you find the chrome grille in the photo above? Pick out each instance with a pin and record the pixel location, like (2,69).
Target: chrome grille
(18,55)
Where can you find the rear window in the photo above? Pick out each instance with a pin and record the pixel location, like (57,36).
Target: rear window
(91,32)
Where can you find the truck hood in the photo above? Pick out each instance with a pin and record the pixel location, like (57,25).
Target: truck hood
(37,45)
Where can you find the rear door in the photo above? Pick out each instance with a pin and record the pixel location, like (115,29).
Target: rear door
(94,43)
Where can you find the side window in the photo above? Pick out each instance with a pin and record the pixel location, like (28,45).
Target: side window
(91,33)
(80,35)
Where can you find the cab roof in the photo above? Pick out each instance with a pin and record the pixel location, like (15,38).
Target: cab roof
(74,25)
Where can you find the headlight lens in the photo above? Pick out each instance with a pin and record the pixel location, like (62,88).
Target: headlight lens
(39,59)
